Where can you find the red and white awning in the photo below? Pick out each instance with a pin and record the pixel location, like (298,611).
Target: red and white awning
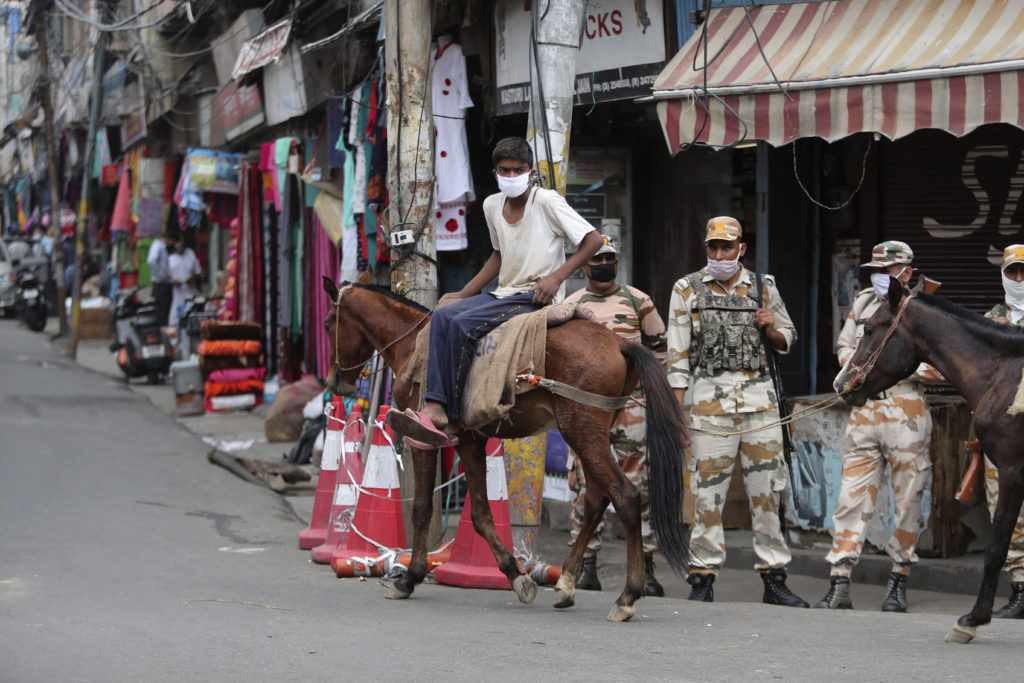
(849,66)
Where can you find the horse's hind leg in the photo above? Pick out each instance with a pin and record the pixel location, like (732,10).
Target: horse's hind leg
(425,470)
(474,465)
(603,472)
(1011,494)
(594,505)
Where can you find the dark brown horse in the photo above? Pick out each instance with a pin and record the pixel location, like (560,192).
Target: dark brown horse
(982,360)
(579,353)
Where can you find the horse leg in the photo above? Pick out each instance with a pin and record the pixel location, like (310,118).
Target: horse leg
(1011,495)
(594,505)
(603,472)
(425,470)
(473,464)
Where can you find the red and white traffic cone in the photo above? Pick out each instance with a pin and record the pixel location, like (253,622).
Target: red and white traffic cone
(473,564)
(378,521)
(316,532)
(350,474)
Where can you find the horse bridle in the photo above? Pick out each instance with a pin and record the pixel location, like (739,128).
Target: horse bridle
(337,333)
(861,372)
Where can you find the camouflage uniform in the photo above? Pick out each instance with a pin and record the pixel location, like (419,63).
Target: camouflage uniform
(731,391)
(894,427)
(1015,554)
(631,314)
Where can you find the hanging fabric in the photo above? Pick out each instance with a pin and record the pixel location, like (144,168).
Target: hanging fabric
(453,191)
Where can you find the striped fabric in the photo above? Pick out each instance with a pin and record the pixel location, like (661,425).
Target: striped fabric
(886,66)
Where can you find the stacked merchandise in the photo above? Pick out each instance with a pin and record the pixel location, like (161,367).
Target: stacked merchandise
(231,360)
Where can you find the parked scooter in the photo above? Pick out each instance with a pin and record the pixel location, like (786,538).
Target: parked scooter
(31,301)
(142,345)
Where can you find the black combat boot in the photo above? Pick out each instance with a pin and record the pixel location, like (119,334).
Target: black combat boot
(588,580)
(776,592)
(653,588)
(1014,609)
(838,596)
(702,590)
(895,594)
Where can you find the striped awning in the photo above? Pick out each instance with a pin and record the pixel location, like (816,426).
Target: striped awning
(885,66)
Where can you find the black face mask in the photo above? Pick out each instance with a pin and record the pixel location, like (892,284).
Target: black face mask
(603,272)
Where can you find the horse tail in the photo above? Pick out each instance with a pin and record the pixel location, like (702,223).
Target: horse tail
(665,427)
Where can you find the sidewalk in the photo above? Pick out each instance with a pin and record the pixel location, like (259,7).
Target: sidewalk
(242,433)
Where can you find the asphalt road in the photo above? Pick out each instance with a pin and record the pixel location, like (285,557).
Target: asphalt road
(126,556)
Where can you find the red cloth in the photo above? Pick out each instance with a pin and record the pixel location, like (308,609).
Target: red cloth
(228,347)
(122,218)
(242,386)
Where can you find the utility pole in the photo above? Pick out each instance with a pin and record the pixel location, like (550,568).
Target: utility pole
(42,39)
(410,216)
(557,27)
(106,12)
(410,149)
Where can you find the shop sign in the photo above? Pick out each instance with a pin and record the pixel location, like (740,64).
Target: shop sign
(620,57)
(236,110)
(588,205)
(263,49)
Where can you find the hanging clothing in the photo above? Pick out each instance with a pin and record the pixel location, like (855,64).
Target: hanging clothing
(453,190)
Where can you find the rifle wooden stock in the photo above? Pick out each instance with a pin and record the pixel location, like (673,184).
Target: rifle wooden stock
(965,494)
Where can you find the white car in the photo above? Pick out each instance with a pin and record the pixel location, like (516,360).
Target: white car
(8,293)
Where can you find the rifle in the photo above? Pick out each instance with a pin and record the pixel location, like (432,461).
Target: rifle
(772,358)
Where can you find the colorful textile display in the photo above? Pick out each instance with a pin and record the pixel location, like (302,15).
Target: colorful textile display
(228,347)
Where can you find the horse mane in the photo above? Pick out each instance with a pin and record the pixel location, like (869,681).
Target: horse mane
(1009,337)
(385,291)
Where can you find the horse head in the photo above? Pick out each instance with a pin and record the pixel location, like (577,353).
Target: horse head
(348,348)
(885,354)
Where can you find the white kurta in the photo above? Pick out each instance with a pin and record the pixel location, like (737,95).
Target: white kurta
(453,191)
(183,267)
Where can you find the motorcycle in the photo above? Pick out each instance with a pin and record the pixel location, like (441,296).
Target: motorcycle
(31,301)
(142,345)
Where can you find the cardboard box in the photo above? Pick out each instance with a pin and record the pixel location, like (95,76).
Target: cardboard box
(95,323)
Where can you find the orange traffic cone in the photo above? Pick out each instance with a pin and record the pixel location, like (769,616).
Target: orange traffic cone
(350,473)
(473,564)
(378,521)
(316,532)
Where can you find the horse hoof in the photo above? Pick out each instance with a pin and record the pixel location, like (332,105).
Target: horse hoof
(396,593)
(961,634)
(563,599)
(525,588)
(621,613)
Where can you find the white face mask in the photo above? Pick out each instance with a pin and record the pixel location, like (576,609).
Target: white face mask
(1014,297)
(514,186)
(880,282)
(723,270)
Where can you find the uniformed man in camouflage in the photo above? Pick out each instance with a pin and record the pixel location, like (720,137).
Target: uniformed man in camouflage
(893,427)
(717,317)
(1010,312)
(629,313)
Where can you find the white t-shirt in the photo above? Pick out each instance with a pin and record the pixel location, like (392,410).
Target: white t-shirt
(533,248)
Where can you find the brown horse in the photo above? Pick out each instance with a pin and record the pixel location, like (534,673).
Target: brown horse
(982,360)
(579,353)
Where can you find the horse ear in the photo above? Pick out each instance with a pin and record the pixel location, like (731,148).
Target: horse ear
(365,277)
(895,293)
(331,289)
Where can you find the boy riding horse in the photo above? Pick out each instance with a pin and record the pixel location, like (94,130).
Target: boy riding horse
(527,226)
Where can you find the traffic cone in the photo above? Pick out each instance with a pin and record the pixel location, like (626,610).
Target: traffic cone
(316,532)
(350,474)
(473,564)
(378,521)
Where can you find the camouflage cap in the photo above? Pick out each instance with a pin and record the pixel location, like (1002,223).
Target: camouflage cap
(888,253)
(608,246)
(1013,254)
(723,228)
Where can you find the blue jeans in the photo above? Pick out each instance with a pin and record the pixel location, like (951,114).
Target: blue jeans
(455,331)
